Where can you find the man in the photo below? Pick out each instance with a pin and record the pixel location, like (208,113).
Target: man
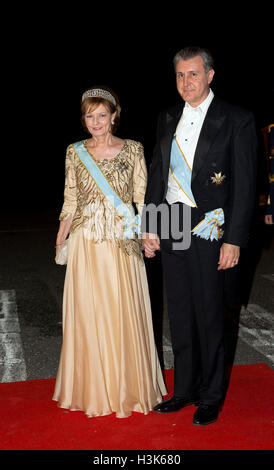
(269,137)
(204,159)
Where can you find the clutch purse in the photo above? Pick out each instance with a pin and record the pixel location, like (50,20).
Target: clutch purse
(62,255)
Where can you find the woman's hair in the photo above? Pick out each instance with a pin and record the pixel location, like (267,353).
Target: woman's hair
(92,102)
(190,52)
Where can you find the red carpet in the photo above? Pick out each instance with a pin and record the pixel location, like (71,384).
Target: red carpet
(31,420)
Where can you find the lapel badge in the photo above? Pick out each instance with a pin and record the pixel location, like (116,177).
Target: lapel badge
(218,178)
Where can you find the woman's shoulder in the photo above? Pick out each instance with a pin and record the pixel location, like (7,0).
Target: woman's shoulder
(72,148)
(71,151)
(134,145)
(74,145)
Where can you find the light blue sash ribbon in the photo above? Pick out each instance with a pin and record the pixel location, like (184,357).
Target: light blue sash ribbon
(180,170)
(210,226)
(132,222)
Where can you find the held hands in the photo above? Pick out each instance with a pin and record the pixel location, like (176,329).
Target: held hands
(151,243)
(229,256)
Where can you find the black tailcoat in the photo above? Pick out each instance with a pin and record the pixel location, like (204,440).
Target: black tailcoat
(226,147)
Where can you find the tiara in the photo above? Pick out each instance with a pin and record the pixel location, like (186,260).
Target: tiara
(99,93)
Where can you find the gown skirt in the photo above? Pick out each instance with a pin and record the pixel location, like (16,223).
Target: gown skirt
(109,362)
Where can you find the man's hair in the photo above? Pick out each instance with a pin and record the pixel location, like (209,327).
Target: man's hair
(190,52)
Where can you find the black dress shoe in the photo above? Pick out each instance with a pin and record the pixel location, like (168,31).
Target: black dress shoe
(175,404)
(206,414)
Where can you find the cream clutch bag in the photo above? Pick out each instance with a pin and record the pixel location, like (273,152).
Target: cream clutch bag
(62,255)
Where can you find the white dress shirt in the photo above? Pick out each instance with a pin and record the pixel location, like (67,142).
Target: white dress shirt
(187,134)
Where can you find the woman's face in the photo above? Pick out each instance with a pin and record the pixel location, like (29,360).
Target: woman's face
(98,120)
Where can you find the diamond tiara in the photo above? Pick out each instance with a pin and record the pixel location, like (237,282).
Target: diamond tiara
(99,93)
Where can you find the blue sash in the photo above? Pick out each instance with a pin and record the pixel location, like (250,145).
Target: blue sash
(180,170)
(132,222)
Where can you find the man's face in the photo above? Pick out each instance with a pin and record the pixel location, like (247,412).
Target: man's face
(192,80)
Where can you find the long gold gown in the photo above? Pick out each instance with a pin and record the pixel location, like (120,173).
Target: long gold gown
(108,363)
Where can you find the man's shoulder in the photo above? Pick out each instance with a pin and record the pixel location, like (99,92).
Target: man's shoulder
(168,114)
(235,111)
(172,110)
(177,108)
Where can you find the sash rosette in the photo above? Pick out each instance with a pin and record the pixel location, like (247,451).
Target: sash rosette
(210,226)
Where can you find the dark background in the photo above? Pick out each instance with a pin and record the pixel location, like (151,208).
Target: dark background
(48,58)
(52,58)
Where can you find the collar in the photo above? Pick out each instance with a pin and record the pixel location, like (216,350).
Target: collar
(203,107)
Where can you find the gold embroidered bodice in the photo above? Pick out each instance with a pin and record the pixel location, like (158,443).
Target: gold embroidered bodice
(89,207)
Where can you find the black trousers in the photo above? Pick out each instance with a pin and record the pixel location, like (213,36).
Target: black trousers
(194,291)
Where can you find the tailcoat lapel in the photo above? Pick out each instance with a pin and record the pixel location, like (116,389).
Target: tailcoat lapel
(211,126)
(166,141)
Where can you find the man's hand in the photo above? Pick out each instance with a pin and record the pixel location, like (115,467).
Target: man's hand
(268,219)
(229,256)
(151,243)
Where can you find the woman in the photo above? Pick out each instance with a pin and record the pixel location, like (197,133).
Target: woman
(108,360)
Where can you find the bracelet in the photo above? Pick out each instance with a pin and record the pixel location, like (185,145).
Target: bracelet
(59,244)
